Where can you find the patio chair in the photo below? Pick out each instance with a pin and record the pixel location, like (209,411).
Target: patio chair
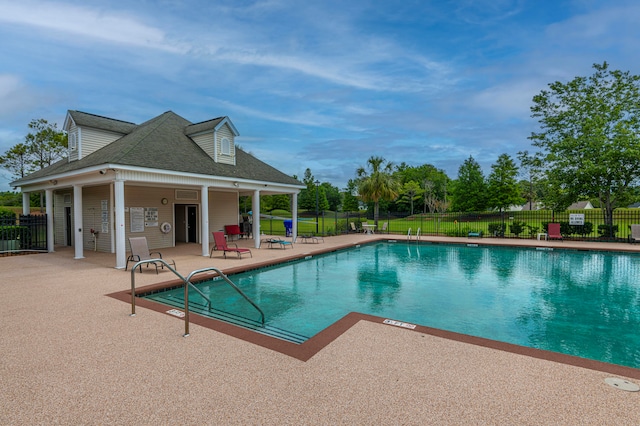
(353,227)
(384,227)
(140,251)
(220,243)
(635,233)
(553,231)
(233,230)
(277,242)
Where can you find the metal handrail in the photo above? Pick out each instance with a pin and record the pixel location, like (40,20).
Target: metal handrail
(224,277)
(187,283)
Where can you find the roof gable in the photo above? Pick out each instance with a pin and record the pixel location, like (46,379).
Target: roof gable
(162,144)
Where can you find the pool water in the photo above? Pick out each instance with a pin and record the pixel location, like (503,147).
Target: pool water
(580,303)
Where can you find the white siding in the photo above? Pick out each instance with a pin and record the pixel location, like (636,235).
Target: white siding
(72,154)
(205,141)
(223,210)
(142,196)
(92,218)
(225,132)
(59,216)
(92,140)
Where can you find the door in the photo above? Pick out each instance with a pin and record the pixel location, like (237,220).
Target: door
(67,226)
(186,223)
(192,224)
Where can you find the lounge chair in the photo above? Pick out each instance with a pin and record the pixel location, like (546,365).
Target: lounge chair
(553,231)
(635,233)
(277,242)
(384,227)
(140,251)
(310,238)
(353,227)
(220,243)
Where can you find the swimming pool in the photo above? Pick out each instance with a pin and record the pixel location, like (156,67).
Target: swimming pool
(581,303)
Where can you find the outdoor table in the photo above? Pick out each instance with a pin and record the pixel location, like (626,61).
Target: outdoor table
(368,229)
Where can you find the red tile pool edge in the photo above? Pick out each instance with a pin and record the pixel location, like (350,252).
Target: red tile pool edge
(316,343)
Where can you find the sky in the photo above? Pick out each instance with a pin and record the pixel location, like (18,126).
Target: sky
(318,84)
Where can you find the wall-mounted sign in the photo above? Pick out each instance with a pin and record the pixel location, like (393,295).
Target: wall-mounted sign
(151,216)
(136,219)
(576,218)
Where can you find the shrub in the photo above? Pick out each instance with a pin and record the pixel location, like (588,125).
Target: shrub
(517,227)
(607,230)
(7,215)
(533,230)
(497,229)
(14,232)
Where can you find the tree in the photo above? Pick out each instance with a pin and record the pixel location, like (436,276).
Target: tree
(349,198)
(377,184)
(41,148)
(469,190)
(332,196)
(16,160)
(307,197)
(410,193)
(590,137)
(503,189)
(47,145)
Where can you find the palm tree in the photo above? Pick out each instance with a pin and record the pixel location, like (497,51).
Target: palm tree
(377,184)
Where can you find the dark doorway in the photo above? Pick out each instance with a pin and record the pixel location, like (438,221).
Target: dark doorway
(186,223)
(67,226)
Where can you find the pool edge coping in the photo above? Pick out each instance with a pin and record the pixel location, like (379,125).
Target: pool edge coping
(316,343)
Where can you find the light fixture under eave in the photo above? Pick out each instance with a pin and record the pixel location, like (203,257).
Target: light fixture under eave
(236,184)
(53,182)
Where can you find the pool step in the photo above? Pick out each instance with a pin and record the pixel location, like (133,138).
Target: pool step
(234,319)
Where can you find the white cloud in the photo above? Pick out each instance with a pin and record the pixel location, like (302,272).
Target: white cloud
(98,24)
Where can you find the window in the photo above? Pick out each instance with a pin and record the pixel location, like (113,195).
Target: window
(225,146)
(73,141)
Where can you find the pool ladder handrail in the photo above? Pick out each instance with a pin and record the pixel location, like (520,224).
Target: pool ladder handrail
(417,234)
(187,283)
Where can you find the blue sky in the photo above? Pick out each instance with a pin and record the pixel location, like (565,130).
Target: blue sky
(320,84)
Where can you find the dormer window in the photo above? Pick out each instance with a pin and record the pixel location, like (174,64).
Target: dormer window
(225,146)
(73,141)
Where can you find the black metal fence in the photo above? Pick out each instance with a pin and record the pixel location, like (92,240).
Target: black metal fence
(575,225)
(27,233)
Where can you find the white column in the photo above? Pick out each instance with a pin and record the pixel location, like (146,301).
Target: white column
(26,203)
(204,215)
(121,247)
(78,222)
(49,211)
(294,216)
(255,209)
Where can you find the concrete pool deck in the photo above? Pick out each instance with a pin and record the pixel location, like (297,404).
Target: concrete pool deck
(71,355)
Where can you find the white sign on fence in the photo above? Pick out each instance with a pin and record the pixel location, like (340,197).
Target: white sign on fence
(576,219)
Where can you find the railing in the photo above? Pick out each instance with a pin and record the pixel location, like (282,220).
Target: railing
(506,224)
(187,283)
(26,234)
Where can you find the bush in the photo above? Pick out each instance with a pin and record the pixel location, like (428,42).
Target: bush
(497,229)
(14,232)
(607,230)
(7,215)
(533,230)
(517,227)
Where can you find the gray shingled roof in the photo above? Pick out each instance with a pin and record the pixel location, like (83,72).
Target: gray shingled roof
(161,143)
(103,123)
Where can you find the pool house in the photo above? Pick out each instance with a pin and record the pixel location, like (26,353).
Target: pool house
(166,179)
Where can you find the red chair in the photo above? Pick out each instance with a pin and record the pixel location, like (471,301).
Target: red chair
(220,243)
(232,230)
(553,231)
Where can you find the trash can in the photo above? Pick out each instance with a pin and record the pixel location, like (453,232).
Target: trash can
(288,227)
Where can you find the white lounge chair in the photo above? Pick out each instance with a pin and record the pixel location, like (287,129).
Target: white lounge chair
(140,251)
